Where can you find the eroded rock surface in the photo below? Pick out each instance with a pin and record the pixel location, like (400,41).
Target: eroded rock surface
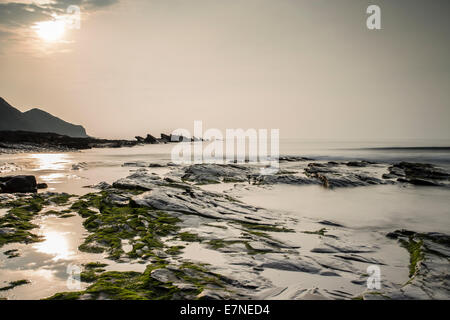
(423,174)
(429,267)
(165,220)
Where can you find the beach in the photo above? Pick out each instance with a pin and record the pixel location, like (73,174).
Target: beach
(224,231)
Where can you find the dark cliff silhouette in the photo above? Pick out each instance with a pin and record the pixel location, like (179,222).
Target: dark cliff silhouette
(36,120)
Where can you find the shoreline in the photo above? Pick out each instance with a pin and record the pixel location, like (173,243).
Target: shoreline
(14,142)
(214,243)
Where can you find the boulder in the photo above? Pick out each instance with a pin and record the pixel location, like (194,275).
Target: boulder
(42,186)
(18,184)
(163,275)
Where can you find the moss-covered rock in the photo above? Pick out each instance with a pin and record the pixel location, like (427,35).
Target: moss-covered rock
(186,281)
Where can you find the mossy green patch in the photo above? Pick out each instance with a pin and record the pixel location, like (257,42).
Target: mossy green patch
(189,237)
(94,265)
(174,250)
(66,296)
(141,226)
(91,271)
(219,243)
(16,224)
(14,284)
(60,199)
(416,254)
(142,286)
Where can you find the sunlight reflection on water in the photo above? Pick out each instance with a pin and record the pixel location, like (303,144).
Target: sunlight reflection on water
(52,177)
(56,244)
(51,161)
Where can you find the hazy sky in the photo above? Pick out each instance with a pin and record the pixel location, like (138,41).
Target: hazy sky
(308,67)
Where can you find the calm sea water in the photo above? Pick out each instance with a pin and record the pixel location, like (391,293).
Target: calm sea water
(432,151)
(56,169)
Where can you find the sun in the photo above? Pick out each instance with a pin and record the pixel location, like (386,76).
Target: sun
(50,30)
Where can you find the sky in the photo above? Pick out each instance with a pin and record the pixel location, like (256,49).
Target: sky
(310,68)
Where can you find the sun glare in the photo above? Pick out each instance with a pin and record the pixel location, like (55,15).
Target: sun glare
(50,30)
(55,244)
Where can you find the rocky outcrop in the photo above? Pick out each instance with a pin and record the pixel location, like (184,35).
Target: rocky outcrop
(147,140)
(36,141)
(187,199)
(332,176)
(165,138)
(423,174)
(428,268)
(217,173)
(150,139)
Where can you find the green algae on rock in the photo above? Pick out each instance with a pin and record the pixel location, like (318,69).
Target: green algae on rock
(109,224)
(14,284)
(157,282)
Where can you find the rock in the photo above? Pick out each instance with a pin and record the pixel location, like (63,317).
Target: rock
(423,182)
(342,248)
(324,250)
(42,186)
(185,286)
(138,180)
(359,258)
(18,184)
(331,223)
(101,185)
(284,179)
(209,294)
(331,176)
(79,166)
(187,199)
(422,174)
(155,165)
(8,167)
(163,275)
(429,265)
(160,254)
(172,164)
(139,139)
(117,199)
(312,294)
(7,231)
(165,137)
(358,163)
(286,265)
(258,246)
(216,173)
(150,139)
(135,164)
(293,159)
